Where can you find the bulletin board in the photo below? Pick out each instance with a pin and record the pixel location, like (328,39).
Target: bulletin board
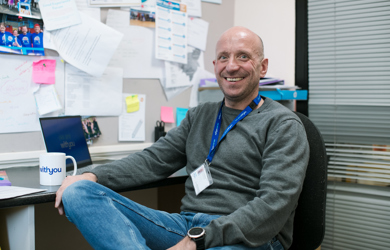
(220,18)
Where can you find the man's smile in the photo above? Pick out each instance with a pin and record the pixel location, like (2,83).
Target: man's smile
(234,79)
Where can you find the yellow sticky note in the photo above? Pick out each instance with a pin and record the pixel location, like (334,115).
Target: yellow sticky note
(132,103)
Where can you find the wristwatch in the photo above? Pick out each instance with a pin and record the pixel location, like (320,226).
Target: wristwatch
(197,234)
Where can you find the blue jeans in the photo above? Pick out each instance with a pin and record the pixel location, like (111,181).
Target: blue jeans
(108,220)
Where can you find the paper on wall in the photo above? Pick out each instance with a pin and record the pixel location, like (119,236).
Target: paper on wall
(171,92)
(46,99)
(197,33)
(194,7)
(132,125)
(213,1)
(178,74)
(88,46)
(18,111)
(86,95)
(135,53)
(113,3)
(82,6)
(171,31)
(58,14)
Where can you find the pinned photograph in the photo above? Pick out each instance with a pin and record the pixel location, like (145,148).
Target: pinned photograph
(91,128)
(21,35)
(24,8)
(143,18)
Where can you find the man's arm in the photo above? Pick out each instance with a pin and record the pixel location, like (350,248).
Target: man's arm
(155,163)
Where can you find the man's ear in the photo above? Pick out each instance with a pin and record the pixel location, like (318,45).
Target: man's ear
(214,62)
(264,67)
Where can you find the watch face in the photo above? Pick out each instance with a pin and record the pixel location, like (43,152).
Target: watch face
(196,232)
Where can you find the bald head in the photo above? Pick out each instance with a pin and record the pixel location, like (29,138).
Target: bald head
(239,32)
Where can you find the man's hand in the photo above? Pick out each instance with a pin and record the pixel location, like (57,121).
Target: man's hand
(184,244)
(67,182)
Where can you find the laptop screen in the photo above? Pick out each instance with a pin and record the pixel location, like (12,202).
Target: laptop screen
(65,134)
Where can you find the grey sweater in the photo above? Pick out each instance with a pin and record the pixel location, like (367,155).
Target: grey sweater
(258,171)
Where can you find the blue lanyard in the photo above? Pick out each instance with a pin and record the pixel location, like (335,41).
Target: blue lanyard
(214,139)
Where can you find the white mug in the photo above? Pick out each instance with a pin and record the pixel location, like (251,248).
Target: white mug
(52,168)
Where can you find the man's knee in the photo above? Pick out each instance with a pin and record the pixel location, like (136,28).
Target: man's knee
(77,193)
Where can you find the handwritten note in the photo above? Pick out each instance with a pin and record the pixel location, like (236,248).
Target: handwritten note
(167,114)
(44,71)
(132,103)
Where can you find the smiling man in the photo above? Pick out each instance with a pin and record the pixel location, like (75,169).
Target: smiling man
(246,157)
(239,65)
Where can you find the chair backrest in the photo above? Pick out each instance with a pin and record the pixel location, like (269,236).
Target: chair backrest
(309,220)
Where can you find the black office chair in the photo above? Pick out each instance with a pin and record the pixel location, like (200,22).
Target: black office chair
(309,220)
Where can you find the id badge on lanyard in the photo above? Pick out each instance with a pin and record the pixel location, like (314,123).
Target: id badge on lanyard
(201,177)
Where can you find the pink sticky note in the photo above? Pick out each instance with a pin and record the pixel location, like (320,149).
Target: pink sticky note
(44,71)
(167,114)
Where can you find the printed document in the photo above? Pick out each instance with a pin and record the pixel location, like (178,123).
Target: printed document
(58,14)
(197,33)
(194,7)
(86,95)
(82,6)
(88,46)
(113,3)
(171,31)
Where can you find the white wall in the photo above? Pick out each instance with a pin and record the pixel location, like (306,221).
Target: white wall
(274,22)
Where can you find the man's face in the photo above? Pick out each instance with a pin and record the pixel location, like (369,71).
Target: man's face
(24,30)
(2,29)
(37,29)
(239,65)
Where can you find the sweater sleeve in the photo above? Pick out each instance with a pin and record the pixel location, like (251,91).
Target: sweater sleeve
(154,163)
(285,158)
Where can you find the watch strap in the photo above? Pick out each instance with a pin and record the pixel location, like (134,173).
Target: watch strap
(200,243)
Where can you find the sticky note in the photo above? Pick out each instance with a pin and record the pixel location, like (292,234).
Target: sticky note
(132,103)
(44,71)
(167,114)
(180,114)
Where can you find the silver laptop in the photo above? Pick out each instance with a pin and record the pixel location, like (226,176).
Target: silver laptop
(65,134)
